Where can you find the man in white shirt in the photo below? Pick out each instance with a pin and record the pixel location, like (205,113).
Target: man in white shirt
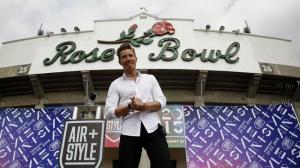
(137,98)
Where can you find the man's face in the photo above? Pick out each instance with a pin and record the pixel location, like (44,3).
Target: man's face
(128,60)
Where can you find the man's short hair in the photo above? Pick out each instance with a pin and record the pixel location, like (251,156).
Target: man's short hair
(124,46)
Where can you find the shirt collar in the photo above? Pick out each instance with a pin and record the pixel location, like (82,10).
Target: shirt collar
(126,77)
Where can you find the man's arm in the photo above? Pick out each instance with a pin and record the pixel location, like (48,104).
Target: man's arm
(153,106)
(121,111)
(139,105)
(111,103)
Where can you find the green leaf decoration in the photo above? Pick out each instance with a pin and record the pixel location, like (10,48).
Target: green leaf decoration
(147,41)
(134,43)
(122,35)
(139,40)
(129,36)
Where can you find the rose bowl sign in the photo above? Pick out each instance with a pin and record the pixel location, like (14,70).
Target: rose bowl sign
(67,53)
(82,144)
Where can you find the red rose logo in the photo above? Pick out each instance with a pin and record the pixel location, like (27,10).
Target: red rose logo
(163,27)
(133,27)
(158,29)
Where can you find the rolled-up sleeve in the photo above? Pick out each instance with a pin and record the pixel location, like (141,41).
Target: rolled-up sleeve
(111,102)
(158,94)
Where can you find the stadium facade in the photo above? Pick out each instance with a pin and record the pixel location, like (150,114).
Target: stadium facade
(193,66)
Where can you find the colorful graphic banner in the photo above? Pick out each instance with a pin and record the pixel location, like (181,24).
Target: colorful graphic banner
(173,120)
(31,137)
(216,136)
(242,136)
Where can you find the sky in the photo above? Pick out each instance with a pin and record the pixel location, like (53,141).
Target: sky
(274,18)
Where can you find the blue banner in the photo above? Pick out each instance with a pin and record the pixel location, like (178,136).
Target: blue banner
(216,136)
(31,137)
(242,136)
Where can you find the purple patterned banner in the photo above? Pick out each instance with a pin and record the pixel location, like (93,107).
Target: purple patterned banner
(31,137)
(242,136)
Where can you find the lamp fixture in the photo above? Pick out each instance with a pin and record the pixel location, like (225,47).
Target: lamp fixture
(40,31)
(63,30)
(222,28)
(76,29)
(207,27)
(247,28)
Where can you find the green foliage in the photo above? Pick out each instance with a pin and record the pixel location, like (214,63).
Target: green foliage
(146,39)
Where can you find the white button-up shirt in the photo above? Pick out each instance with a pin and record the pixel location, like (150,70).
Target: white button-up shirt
(147,89)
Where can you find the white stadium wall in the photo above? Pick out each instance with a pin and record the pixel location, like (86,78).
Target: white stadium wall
(253,49)
(267,66)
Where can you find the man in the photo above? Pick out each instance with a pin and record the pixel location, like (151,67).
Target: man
(137,98)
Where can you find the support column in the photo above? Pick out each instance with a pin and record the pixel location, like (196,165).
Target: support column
(1,98)
(40,103)
(296,96)
(37,86)
(38,90)
(296,100)
(253,85)
(88,86)
(200,88)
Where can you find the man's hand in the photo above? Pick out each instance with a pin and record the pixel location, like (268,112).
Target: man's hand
(138,104)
